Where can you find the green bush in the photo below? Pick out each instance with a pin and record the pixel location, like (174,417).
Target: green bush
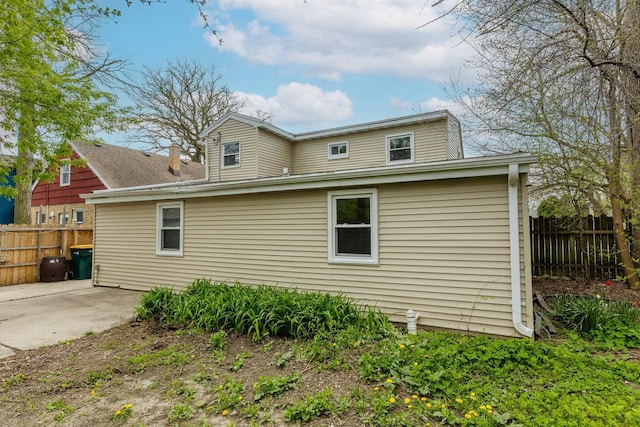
(591,316)
(261,311)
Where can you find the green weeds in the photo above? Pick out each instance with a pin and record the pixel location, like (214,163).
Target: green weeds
(274,386)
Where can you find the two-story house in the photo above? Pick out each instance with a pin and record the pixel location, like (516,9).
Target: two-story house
(104,167)
(386,212)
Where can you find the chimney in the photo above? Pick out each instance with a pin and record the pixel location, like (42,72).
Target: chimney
(174,159)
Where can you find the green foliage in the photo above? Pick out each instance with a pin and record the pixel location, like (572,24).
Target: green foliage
(319,404)
(228,395)
(170,356)
(274,386)
(217,341)
(61,408)
(13,381)
(596,317)
(262,311)
(238,362)
(553,206)
(181,412)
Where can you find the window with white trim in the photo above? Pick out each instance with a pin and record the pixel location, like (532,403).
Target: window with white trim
(339,150)
(65,174)
(353,226)
(169,224)
(400,148)
(78,216)
(230,154)
(63,218)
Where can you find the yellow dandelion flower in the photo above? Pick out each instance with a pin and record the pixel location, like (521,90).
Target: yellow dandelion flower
(208,408)
(489,411)
(389,380)
(407,400)
(409,406)
(414,396)
(225,413)
(376,388)
(392,400)
(428,405)
(482,407)
(93,392)
(413,346)
(118,412)
(473,398)
(239,397)
(415,363)
(402,346)
(458,400)
(128,406)
(467,416)
(489,407)
(423,399)
(443,406)
(473,394)
(193,356)
(334,344)
(220,387)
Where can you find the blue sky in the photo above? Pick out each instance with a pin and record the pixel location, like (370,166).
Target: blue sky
(310,64)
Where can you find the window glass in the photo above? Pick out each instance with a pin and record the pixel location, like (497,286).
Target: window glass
(170,229)
(400,148)
(338,150)
(353,234)
(231,154)
(65,175)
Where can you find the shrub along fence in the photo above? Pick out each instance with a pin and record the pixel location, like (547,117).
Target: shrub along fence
(574,247)
(22,248)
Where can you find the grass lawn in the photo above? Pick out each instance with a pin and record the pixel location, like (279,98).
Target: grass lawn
(199,359)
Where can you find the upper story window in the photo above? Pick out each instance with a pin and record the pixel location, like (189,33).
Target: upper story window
(400,148)
(65,174)
(169,225)
(231,154)
(339,150)
(353,226)
(78,216)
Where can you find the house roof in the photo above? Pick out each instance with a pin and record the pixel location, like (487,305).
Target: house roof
(446,169)
(120,167)
(343,130)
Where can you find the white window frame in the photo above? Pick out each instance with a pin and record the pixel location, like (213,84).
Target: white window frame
(411,147)
(333,256)
(75,216)
(63,218)
(344,155)
(65,173)
(160,228)
(222,155)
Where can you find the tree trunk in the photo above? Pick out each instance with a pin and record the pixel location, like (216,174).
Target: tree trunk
(630,273)
(24,164)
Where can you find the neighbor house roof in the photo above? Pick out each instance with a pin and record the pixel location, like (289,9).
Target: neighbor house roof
(120,167)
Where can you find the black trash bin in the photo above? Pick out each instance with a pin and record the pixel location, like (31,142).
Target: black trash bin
(81,258)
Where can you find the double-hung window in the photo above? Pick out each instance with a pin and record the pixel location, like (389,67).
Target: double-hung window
(65,174)
(400,148)
(230,154)
(170,220)
(353,226)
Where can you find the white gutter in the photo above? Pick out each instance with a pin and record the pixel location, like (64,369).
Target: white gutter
(449,169)
(514,244)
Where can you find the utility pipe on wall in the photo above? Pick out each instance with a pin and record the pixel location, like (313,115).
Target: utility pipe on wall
(514,244)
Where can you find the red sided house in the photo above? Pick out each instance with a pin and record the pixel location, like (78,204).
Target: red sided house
(107,167)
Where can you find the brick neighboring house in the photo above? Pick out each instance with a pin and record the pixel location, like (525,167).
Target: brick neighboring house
(107,167)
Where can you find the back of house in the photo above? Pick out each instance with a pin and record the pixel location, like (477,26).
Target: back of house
(389,213)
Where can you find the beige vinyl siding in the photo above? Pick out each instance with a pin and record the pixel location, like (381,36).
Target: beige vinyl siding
(444,249)
(368,149)
(233,131)
(274,154)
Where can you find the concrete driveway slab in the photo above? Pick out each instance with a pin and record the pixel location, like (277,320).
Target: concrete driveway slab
(42,314)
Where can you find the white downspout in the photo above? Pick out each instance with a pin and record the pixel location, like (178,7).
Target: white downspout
(514,245)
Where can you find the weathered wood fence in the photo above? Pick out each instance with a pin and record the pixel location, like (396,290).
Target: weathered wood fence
(22,248)
(574,247)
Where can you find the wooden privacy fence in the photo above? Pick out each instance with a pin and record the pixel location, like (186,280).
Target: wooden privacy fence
(574,247)
(22,248)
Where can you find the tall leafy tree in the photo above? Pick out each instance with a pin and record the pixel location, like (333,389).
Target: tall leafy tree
(561,78)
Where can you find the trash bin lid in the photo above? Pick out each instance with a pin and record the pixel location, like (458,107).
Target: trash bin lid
(81,247)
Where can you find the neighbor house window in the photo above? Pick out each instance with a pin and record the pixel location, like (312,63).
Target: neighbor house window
(353,226)
(170,228)
(400,148)
(63,218)
(65,174)
(231,154)
(78,216)
(338,150)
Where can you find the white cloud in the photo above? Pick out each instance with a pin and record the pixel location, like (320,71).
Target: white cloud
(299,106)
(334,37)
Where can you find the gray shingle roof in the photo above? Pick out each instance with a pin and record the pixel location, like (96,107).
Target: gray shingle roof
(121,167)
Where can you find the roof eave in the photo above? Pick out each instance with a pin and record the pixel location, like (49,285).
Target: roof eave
(450,169)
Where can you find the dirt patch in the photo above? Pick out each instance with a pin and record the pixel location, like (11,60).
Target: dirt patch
(616,289)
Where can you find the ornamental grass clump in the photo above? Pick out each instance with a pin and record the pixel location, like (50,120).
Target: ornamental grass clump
(590,316)
(261,311)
